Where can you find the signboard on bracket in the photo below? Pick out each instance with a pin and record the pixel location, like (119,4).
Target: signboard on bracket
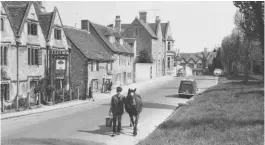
(60,64)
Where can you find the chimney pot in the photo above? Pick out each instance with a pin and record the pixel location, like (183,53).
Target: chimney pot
(143,16)
(157,19)
(118,23)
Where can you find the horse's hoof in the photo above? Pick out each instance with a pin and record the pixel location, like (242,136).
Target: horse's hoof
(130,125)
(134,134)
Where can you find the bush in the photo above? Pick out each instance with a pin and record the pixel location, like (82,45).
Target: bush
(22,103)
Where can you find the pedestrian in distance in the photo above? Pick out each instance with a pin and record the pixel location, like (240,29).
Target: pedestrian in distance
(110,86)
(117,110)
(90,92)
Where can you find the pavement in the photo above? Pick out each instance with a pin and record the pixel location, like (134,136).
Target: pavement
(97,96)
(85,124)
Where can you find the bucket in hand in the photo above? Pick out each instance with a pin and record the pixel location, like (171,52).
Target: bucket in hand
(108,121)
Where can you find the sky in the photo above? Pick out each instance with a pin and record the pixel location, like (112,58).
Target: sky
(194,24)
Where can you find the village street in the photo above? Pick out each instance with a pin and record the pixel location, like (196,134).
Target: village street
(85,123)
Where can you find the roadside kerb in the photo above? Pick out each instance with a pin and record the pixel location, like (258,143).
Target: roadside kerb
(140,86)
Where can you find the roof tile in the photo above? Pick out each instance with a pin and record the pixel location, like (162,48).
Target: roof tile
(87,44)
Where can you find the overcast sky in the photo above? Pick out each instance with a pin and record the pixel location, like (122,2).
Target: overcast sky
(194,25)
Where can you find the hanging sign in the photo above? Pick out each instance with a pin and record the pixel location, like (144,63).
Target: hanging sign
(60,64)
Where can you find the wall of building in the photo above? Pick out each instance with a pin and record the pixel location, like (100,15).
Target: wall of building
(143,71)
(144,40)
(78,71)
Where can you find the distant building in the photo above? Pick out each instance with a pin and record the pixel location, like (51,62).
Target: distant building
(149,38)
(193,61)
(123,53)
(90,61)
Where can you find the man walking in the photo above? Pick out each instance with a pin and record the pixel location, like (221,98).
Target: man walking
(117,109)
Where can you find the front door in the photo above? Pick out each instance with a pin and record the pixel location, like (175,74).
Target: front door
(33,84)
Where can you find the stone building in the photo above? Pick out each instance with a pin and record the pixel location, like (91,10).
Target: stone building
(151,37)
(123,53)
(90,61)
(21,33)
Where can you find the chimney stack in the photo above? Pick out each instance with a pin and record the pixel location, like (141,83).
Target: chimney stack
(118,23)
(158,20)
(85,25)
(143,16)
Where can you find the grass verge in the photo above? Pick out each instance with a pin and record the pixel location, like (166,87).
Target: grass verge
(229,113)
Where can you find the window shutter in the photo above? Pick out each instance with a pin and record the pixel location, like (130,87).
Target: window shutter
(29,56)
(29,28)
(39,57)
(36,56)
(32,57)
(2,58)
(92,66)
(5,55)
(59,34)
(7,92)
(111,66)
(35,29)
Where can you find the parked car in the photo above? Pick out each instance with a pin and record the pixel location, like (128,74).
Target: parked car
(187,88)
(217,72)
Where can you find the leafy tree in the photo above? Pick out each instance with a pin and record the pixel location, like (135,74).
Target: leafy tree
(253,19)
(204,57)
(144,57)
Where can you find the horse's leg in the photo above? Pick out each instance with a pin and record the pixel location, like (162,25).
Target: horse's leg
(131,120)
(135,125)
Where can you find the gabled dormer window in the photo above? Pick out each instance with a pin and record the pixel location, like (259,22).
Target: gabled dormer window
(2,24)
(57,34)
(32,29)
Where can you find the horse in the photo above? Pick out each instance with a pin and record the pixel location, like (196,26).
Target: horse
(133,106)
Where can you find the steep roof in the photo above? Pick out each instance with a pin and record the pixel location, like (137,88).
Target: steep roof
(153,27)
(124,26)
(45,22)
(164,29)
(15,14)
(104,32)
(87,44)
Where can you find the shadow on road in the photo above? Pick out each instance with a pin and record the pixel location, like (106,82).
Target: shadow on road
(153,105)
(103,130)
(178,96)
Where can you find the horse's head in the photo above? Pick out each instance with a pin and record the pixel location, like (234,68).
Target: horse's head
(131,93)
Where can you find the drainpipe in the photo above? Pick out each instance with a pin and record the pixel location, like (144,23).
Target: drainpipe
(17,45)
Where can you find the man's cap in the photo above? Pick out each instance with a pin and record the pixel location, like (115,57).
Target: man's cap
(119,89)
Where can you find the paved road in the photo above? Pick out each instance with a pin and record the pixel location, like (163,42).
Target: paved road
(86,124)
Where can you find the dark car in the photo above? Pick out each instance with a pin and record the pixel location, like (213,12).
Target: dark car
(187,88)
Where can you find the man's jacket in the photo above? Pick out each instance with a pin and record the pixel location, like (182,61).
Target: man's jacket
(117,104)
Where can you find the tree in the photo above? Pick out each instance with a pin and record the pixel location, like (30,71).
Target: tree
(144,57)
(204,57)
(216,63)
(253,19)
(247,38)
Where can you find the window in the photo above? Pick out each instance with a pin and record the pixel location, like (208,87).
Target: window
(168,62)
(191,65)
(32,29)
(3,55)
(136,32)
(168,45)
(5,91)
(2,24)
(97,66)
(92,66)
(34,56)
(57,34)
(199,65)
